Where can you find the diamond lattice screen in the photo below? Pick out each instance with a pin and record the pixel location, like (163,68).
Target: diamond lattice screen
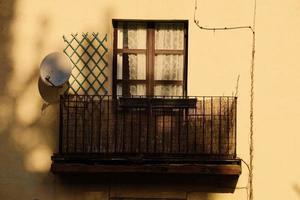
(87,53)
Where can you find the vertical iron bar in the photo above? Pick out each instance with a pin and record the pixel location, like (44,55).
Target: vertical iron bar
(75,132)
(123,130)
(67,131)
(85,105)
(187,123)
(100,123)
(220,124)
(228,128)
(148,125)
(61,114)
(195,127)
(116,122)
(163,127)
(179,128)
(211,124)
(171,132)
(155,127)
(235,120)
(131,130)
(203,124)
(92,124)
(107,131)
(139,133)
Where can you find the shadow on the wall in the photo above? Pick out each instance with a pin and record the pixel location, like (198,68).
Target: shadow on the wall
(139,186)
(156,182)
(51,94)
(24,135)
(6,37)
(297,189)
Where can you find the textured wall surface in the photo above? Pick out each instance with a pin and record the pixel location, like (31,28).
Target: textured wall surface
(30,29)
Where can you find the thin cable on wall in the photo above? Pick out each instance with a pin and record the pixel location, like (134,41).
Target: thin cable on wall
(218,28)
(252,67)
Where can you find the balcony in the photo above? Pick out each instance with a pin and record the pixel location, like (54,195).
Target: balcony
(105,134)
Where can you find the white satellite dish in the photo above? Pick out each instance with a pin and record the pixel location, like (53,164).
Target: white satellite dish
(55,69)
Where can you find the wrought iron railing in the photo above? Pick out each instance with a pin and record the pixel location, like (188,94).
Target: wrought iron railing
(141,126)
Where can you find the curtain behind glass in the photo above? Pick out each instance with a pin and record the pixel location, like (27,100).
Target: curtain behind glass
(169,36)
(135,36)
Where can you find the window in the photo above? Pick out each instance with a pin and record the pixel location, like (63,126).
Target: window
(150,58)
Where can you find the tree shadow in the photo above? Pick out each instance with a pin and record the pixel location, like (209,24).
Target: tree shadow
(296,188)
(20,142)
(7,15)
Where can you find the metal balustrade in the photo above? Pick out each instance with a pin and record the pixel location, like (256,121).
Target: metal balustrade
(157,127)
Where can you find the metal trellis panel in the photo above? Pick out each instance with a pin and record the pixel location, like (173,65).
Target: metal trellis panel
(87,53)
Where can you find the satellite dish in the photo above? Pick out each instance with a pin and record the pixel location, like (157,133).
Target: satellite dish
(51,94)
(55,69)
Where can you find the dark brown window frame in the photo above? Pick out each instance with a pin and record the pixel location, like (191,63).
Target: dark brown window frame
(150,56)
(146,198)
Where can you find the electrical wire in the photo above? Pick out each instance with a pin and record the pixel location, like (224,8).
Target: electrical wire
(237,87)
(251,138)
(218,28)
(250,166)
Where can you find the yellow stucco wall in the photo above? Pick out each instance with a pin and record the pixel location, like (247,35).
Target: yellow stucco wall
(30,29)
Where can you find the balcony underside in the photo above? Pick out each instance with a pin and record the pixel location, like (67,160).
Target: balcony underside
(146,164)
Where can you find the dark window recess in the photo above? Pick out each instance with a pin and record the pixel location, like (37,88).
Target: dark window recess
(150,58)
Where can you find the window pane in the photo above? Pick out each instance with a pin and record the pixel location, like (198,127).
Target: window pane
(136,64)
(168,67)
(168,90)
(119,66)
(169,36)
(119,90)
(134,89)
(132,37)
(138,89)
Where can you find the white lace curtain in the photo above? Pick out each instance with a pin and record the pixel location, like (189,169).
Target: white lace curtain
(167,67)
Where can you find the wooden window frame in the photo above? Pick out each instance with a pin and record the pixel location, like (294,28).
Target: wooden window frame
(146,198)
(150,53)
